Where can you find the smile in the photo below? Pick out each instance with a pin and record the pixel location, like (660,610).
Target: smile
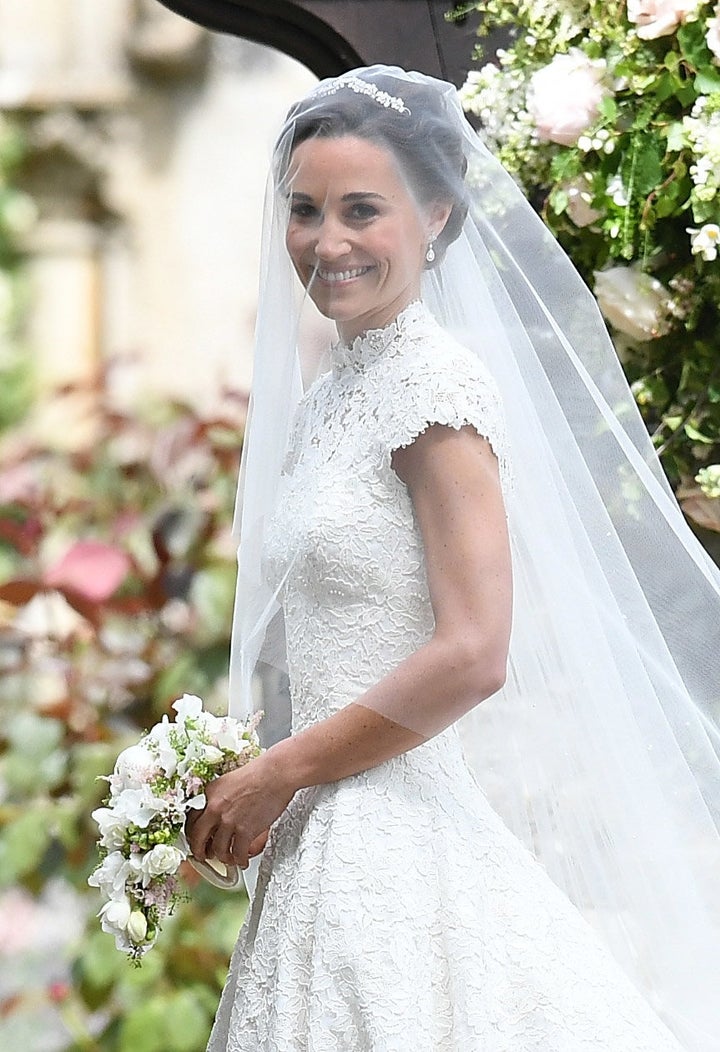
(342,275)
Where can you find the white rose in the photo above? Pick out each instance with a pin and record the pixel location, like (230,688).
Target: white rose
(705,241)
(635,303)
(579,206)
(163,858)
(211,754)
(712,37)
(112,827)
(659,18)
(134,767)
(564,97)
(137,926)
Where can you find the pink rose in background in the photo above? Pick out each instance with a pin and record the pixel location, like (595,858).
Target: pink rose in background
(564,97)
(659,18)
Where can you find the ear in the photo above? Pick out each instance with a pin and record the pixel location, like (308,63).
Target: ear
(437,216)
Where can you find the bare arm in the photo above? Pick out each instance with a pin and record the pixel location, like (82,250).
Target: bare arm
(452,477)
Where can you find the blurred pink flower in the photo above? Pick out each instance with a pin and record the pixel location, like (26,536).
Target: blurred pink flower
(564,97)
(90,568)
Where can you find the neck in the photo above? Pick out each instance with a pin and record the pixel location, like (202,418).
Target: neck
(350,330)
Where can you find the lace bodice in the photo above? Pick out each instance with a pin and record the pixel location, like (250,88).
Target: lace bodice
(344,537)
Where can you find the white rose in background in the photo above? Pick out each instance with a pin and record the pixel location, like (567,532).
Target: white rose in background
(564,97)
(704,242)
(633,302)
(712,36)
(659,18)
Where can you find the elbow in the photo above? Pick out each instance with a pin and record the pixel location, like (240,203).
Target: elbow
(481,665)
(488,675)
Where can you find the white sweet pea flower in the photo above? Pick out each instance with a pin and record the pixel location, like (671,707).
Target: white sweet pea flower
(139,806)
(634,302)
(112,827)
(660,18)
(564,97)
(712,36)
(115,914)
(111,875)
(163,858)
(137,926)
(704,242)
(189,706)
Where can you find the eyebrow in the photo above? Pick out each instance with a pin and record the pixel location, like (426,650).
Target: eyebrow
(355,196)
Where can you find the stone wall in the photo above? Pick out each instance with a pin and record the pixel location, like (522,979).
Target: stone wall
(149,141)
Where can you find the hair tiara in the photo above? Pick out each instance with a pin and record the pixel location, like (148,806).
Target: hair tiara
(363,87)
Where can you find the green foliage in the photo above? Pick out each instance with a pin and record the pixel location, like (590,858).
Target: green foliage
(17,214)
(91,655)
(634,190)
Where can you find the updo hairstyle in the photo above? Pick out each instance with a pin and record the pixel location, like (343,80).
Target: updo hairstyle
(423,137)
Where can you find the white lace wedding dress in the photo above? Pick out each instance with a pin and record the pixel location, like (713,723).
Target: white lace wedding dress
(394,911)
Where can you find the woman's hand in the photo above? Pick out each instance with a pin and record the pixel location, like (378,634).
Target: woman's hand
(241,807)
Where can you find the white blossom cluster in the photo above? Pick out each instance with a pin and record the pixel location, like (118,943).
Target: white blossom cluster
(153,787)
(702,133)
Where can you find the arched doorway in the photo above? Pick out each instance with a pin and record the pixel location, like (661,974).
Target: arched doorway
(331,36)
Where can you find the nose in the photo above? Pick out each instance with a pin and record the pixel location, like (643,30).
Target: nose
(332,241)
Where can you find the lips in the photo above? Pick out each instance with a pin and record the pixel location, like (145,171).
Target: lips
(333,276)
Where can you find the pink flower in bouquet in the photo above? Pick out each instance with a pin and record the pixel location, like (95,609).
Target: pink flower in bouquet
(564,97)
(659,18)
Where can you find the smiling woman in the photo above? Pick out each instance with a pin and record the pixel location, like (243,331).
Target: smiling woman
(358,243)
(471,415)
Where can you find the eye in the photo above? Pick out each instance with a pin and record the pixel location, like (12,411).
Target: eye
(361,211)
(303,210)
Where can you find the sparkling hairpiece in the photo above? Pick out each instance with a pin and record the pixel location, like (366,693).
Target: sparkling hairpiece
(363,87)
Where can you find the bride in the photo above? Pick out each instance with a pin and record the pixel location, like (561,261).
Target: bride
(458,502)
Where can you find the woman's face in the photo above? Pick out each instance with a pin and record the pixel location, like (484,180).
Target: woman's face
(356,237)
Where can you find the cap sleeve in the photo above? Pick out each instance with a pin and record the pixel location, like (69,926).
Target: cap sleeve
(445,386)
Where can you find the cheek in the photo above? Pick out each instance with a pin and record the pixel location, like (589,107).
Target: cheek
(296,242)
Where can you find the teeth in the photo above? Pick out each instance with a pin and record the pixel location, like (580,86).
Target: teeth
(342,275)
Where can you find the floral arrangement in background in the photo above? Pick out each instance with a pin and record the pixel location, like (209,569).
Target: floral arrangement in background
(155,784)
(607,113)
(117,571)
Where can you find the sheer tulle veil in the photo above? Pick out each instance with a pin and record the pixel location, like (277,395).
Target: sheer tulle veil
(602,750)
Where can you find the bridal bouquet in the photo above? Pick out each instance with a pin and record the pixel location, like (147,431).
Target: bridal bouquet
(154,785)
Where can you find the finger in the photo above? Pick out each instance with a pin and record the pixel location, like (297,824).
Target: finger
(222,848)
(199,833)
(240,852)
(258,844)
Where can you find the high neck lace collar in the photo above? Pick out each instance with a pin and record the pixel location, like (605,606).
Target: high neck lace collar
(369,347)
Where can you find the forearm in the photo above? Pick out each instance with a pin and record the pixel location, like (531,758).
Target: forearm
(440,677)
